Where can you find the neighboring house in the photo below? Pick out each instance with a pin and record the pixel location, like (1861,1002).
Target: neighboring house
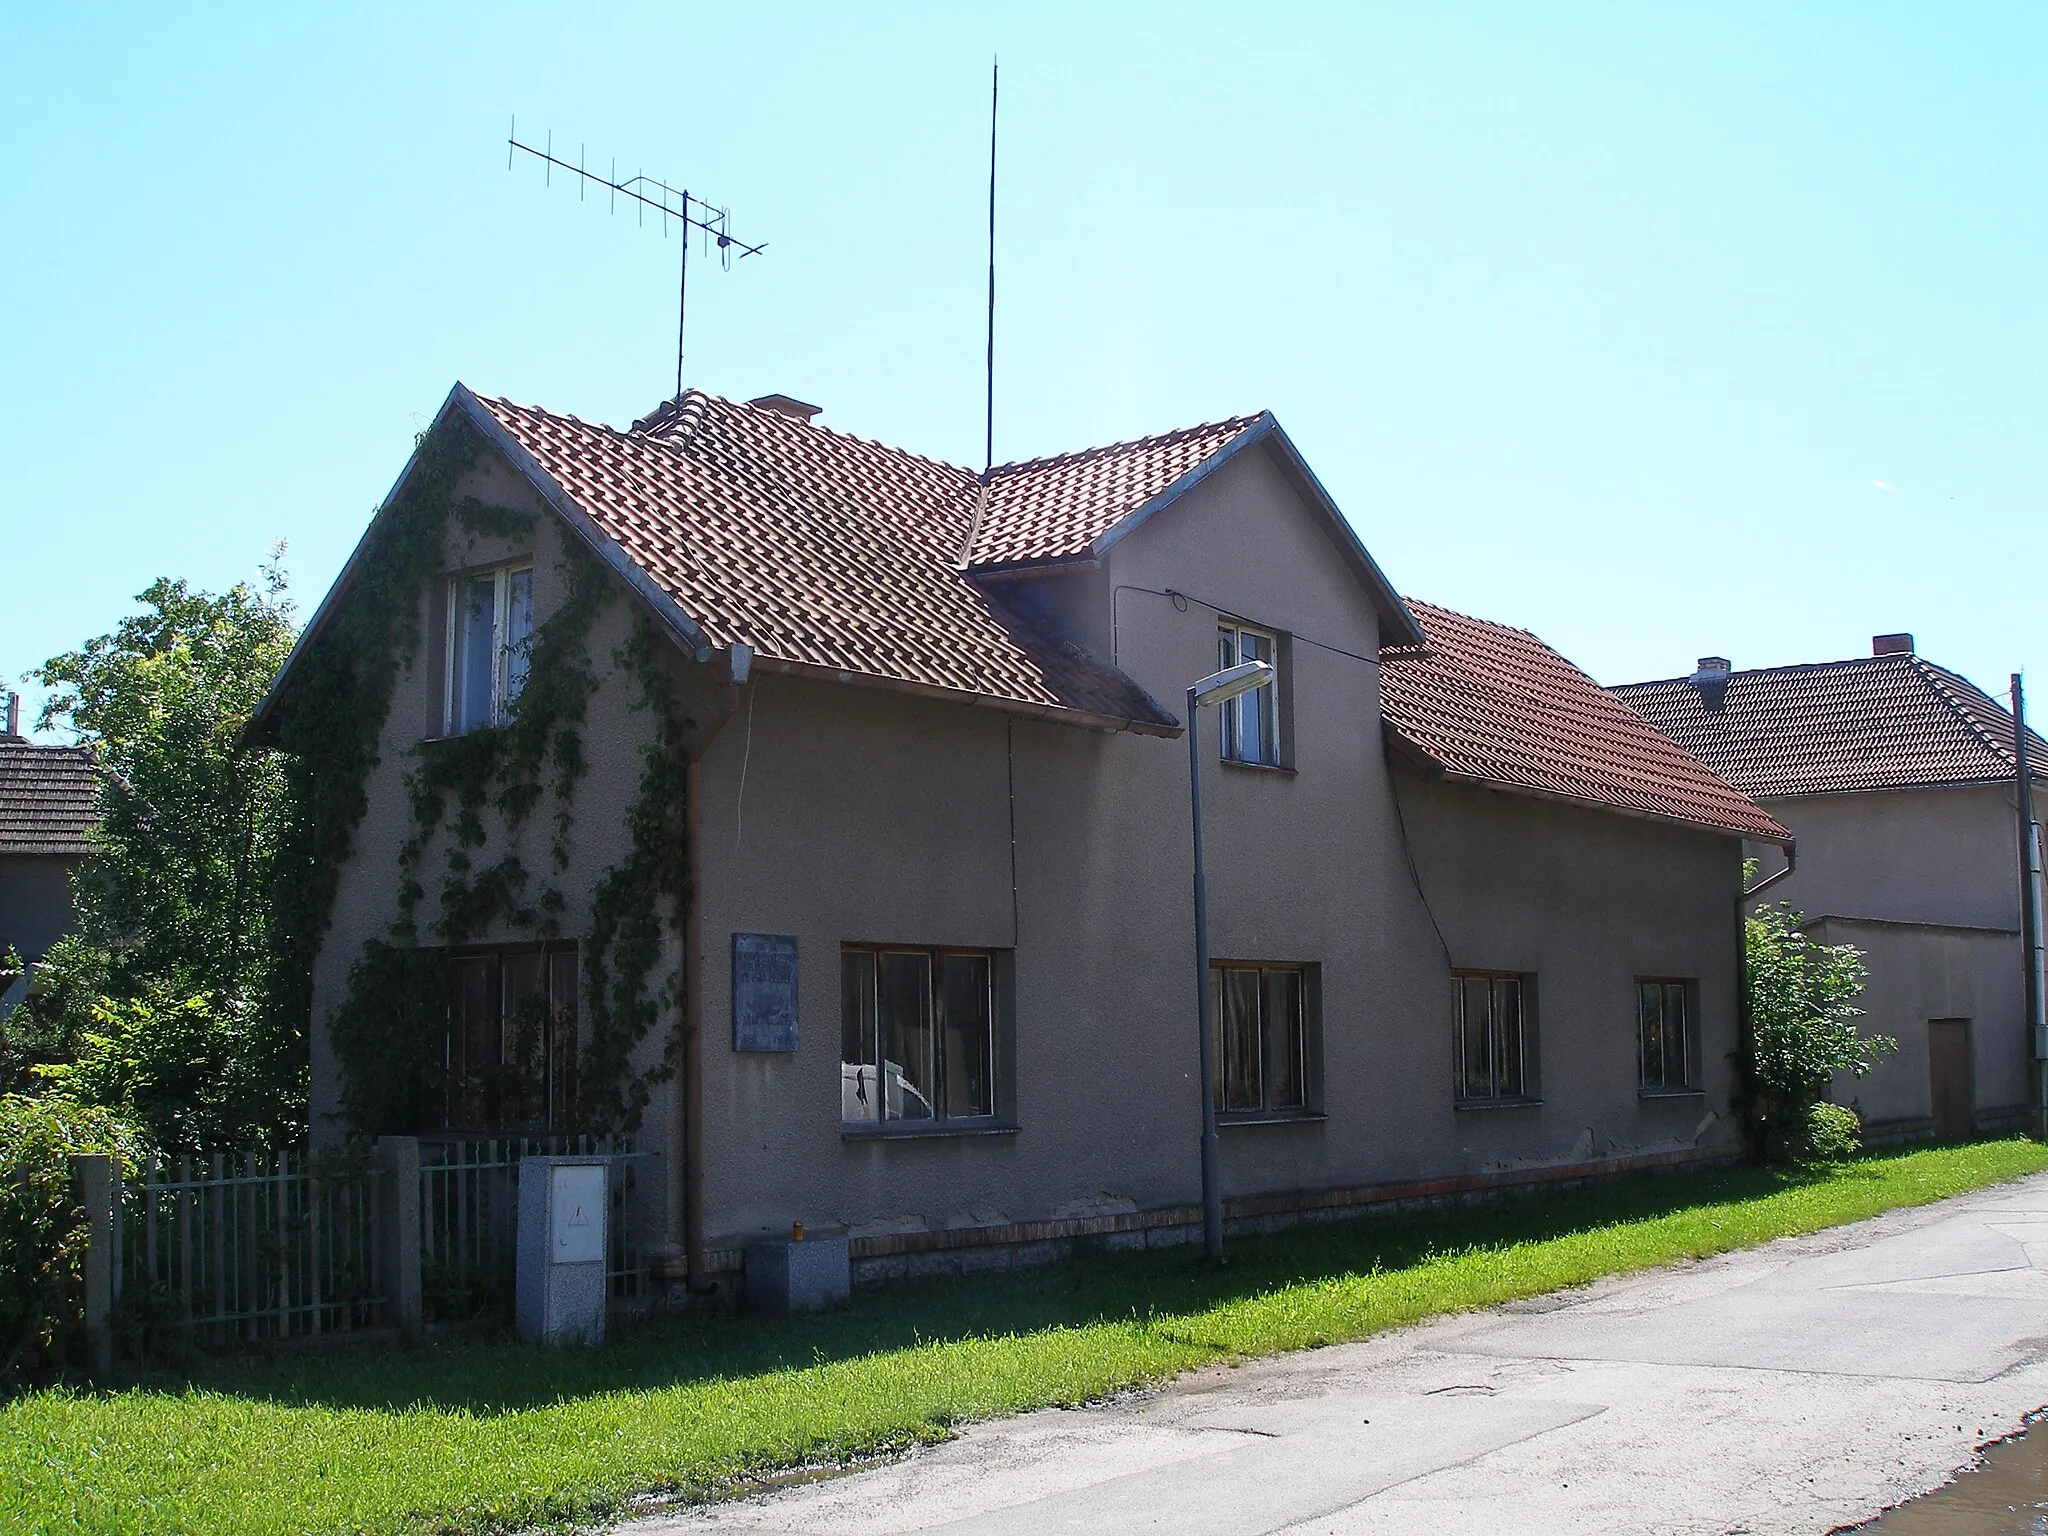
(49,800)
(1899,778)
(1473,922)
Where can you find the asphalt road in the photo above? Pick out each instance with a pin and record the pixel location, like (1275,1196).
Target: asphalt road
(1798,1387)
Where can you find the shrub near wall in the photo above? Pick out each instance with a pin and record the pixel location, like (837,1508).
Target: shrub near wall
(42,1231)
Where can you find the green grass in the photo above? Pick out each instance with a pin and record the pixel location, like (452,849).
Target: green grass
(471,1437)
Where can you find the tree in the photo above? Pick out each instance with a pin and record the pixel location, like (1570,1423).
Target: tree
(1802,1015)
(154,1005)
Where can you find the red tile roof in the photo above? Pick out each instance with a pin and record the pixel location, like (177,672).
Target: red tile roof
(1043,511)
(822,552)
(1835,727)
(49,799)
(1489,705)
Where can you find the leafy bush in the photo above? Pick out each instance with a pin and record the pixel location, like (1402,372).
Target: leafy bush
(160,992)
(42,1229)
(1833,1132)
(192,1068)
(1802,1014)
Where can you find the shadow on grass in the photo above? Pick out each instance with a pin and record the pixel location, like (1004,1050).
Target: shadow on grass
(680,1349)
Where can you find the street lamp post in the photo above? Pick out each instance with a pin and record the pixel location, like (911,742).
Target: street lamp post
(1216,689)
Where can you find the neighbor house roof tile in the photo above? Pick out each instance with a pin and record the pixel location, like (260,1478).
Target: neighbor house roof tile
(817,548)
(49,799)
(1489,705)
(1836,727)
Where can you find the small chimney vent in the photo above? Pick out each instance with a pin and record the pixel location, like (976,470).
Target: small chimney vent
(1891,645)
(786,405)
(1712,680)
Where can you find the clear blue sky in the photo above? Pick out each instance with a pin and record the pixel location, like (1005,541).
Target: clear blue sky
(1658,330)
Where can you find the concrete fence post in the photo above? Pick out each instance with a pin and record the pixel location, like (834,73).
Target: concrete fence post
(397,1160)
(92,1174)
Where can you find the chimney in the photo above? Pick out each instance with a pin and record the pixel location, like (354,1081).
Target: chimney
(786,405)
(13,731)
(1891,645)
(1711,679)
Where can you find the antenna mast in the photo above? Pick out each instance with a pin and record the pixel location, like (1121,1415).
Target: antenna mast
(672,203)
(988,461)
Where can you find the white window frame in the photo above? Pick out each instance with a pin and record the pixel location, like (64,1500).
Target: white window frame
(1261,703)
(502,693)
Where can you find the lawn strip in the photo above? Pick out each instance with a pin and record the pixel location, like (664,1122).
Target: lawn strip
(474,1437)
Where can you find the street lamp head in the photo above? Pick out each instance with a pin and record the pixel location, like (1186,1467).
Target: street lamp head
(1222,687)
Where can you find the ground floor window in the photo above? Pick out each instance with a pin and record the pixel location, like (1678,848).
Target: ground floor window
(917,1034)
(508,1059)
(1261,1022)
(1490,1036)
(1664,1033)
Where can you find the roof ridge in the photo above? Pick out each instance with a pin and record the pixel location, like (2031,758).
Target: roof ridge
(895,450)
(1473,618)
(23,744)
(685,410)
(1078,455)
(1934,675)
(1789,666)
(696,402)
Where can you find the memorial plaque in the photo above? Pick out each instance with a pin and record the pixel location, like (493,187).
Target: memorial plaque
(763,992)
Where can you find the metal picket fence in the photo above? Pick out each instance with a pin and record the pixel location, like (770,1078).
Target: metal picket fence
(469,1218)
(229,1249)
(239,1247)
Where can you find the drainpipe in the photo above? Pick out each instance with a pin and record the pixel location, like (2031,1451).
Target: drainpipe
(690,1069)
(2030,913)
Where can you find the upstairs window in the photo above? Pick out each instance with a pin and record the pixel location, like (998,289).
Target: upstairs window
(1490,1045)
(490,644)
(917,1035)
(1251,721)
(1664,1035)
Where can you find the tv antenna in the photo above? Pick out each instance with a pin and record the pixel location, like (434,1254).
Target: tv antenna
(677,205)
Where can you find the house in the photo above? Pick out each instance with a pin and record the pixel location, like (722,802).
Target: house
(1898,776)
(49,800)
(815,803)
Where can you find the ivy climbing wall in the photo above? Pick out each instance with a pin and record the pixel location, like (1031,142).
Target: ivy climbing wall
(565,822)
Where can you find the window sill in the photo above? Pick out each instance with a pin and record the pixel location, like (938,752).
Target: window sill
(1496,1104)
(1249,767)
(1671,1093)
(1270,1117)
(856,1131)
(442,741)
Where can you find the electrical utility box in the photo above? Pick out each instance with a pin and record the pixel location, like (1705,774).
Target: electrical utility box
(564,1203)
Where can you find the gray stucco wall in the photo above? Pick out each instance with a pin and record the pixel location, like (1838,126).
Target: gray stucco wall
(842,813)
(870,817)
(1918,973)
(1945,856)
(35,902)
(1936,873)
(1587,903)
